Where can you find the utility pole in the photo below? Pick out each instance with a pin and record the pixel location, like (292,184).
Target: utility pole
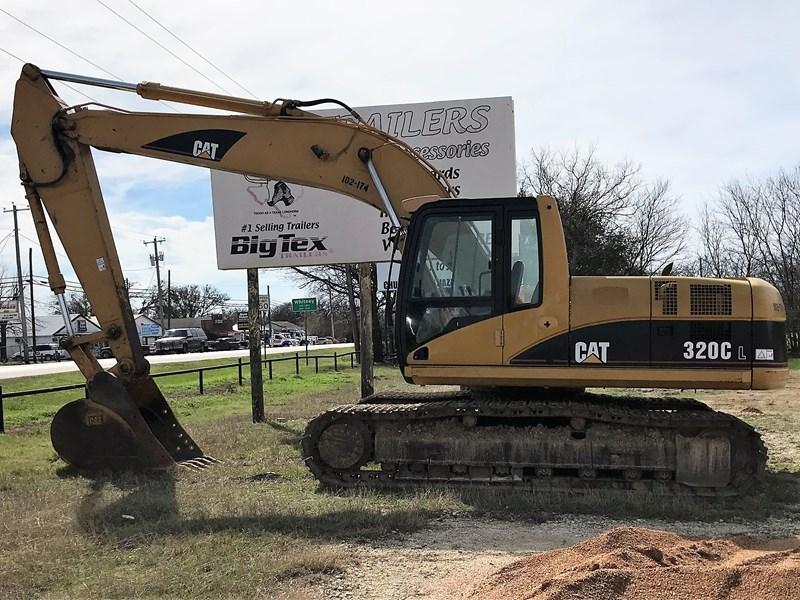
(330,307)
(33,310)
(156,259)
(20,289)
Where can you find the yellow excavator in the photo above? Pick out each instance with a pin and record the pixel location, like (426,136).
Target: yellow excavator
(485,302)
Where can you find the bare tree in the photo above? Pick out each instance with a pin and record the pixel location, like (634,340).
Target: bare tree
(614,222)
(657,229)
(755,231)
(187,301)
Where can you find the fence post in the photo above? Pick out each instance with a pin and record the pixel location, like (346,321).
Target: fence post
(269,363)
(240,371)
(316,364)
(351,359)
(335,362)
(297,363)
(2,418)
(200,380)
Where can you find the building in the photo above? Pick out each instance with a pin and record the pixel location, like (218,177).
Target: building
(49,330)
(149,329)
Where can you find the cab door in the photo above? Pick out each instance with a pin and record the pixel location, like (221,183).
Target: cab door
(451,309)
(536,284)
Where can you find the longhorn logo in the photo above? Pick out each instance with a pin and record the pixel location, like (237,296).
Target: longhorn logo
(260,192)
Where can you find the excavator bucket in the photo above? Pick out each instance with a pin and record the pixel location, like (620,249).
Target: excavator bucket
(119,427)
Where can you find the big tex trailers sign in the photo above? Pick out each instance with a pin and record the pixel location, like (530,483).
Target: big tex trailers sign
(269,223)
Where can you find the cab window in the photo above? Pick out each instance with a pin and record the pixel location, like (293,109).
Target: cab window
(452,280)
(525,276)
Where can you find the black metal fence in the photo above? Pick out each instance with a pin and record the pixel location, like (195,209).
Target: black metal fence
(338,360)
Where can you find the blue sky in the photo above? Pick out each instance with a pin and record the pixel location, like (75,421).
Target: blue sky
(697,93)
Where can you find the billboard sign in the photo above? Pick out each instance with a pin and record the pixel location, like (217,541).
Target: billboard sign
(261,222)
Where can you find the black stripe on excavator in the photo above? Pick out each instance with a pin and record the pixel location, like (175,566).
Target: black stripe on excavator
(665,343)
(210,144)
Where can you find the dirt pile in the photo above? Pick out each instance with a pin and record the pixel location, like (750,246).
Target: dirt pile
(645,564)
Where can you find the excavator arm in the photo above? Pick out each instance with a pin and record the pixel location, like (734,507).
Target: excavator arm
(125,421)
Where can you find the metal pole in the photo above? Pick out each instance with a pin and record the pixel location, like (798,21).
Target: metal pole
(2,418)
(330,307)
(269,313)
(21,294)
(256,379)
(305,326)
(169,299)
(200,381)
(33,310)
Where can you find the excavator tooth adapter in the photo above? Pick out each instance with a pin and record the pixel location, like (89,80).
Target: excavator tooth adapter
(122,428)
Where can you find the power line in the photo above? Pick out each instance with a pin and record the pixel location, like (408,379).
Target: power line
(76,90)
(164,27)
(162,46)
(71,51)
(62,46)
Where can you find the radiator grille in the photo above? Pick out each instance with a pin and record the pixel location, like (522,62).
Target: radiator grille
(667,292)
(710,299)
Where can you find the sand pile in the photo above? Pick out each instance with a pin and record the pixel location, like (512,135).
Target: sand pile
(652,565)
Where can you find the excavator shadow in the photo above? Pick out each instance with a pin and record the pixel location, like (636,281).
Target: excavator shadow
(777,496)
(148,508)
(291,435)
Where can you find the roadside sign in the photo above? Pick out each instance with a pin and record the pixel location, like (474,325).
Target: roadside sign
(304,304)
(150,329)
(8,310)
(263,301)
(243,319)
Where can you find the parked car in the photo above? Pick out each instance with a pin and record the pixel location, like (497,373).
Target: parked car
(328,340)
(187,339)
(279,340)
(225,343)
(43,352)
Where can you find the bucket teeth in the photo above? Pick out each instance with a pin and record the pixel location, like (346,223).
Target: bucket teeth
(200,463)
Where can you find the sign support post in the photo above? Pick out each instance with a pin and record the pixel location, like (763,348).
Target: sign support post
(256,379)
(365,285)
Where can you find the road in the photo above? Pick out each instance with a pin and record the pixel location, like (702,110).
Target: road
(65,366)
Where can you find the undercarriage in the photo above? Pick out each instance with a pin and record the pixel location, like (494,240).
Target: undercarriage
(535,439)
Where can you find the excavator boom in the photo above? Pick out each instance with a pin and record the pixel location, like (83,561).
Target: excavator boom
(125,421)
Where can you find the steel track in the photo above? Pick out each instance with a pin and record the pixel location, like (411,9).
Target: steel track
(516,414)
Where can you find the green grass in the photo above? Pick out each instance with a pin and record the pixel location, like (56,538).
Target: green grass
(248,528)
(794,363)
(257,526)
